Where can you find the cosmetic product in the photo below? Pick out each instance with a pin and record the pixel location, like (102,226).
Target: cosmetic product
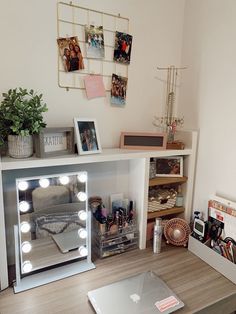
(157,236)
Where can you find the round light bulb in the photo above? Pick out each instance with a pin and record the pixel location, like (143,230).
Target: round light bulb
(82,215)
(26,247)
(83,251)
(44,183)
(82,196)
(64,180)
(82,177)
(23,185)
(27,267)
(24,206)
(24,227)
(82,233)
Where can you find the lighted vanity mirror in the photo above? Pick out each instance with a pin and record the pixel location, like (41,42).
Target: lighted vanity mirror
(52,220)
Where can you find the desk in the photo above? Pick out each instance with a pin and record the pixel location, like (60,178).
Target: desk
(201,288)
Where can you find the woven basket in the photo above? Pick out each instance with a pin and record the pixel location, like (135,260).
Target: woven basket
(20,146)
(160,199)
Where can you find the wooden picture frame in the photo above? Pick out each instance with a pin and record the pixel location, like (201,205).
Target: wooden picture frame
(51,142)
(87,136)
(169,166)
(139,140)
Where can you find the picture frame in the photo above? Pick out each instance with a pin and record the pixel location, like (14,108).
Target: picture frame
(52,142)
(87,136)
(140,140)
(169,166)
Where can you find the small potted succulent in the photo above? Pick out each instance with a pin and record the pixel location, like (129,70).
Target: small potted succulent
(21,116)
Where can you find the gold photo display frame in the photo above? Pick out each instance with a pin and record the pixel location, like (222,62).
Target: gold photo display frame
(52,142)
(139,140)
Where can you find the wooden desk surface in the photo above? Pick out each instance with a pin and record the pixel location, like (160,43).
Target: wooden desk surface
(202,289)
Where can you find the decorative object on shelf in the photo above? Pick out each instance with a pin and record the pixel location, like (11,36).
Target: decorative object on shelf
(161,198)
(53,228)
(152,169)
(139,140)
(169,166)
(54,142)
(21,117)
(87,136)
(70,53)
(118,90)
(169,122)
(175,145)
(179,198)
(122,51)
(94,86)
(94,39)
(177,232)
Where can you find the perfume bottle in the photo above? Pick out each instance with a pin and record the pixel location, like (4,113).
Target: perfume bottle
(179,198)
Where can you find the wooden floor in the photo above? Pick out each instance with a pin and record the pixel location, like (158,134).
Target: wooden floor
(197,284)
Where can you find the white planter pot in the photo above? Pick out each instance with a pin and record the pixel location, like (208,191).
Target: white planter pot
(20,146)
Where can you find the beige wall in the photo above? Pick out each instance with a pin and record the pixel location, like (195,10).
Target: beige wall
(208,94)
(28,58)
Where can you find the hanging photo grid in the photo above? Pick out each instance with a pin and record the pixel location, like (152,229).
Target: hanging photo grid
(104,47)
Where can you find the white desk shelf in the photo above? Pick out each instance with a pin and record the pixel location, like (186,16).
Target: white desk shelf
(114,170)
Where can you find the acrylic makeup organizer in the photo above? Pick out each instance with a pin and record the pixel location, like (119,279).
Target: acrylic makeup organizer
(71,21)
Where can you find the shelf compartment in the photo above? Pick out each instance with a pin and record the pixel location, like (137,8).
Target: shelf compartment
(167,180)
(165,212)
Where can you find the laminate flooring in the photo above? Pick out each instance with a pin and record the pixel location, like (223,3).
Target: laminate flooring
(201,288)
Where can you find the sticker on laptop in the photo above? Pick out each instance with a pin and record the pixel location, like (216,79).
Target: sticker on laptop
(167,303)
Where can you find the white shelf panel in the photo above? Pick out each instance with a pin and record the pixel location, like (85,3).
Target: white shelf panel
(110,154)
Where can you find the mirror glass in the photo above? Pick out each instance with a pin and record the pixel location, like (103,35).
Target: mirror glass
(52,220)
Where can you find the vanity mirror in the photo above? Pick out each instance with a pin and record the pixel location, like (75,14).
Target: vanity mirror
(53,229)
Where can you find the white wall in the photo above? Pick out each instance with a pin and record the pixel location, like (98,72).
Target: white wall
(28,58)
(208,94)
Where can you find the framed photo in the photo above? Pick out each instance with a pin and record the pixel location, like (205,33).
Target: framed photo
(51,142)
(169,166)
(87,137)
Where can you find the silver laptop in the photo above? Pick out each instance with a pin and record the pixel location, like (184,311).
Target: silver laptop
(144,293)
(68,241)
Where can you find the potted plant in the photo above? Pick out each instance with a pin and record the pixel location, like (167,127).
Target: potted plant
(21,116)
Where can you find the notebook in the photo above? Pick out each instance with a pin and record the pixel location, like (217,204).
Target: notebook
(68,241)
(144,293)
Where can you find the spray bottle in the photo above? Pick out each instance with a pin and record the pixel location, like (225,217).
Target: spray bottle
(157,236)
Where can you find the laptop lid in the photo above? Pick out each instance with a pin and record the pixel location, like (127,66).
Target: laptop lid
(68,241)
(144,293)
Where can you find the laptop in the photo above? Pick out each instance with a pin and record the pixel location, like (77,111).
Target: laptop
(144,293)
(68,241)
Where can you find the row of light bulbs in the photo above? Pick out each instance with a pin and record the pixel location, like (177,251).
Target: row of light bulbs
(27,265)
(25,226)
(26,245)
(24,206)
(44,182)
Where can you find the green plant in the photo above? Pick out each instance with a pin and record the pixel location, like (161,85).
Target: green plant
(21,113)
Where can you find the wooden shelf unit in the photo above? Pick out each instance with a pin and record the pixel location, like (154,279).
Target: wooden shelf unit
(165,212)
(167,180)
